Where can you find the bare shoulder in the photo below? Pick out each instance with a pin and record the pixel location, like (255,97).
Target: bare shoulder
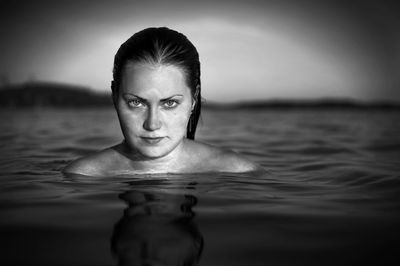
(230,161)
(223,160)
(92,165)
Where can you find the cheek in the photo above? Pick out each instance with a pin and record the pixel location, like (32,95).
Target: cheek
(178,121)
(129,121)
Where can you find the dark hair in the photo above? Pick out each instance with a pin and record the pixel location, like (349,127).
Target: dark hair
(163,46)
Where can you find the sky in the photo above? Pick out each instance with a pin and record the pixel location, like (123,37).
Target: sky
(249,50)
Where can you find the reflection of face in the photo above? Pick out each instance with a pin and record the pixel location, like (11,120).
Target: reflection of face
(153,107)
(147,241)
(157,229)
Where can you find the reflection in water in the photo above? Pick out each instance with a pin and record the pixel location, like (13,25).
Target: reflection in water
(157,229)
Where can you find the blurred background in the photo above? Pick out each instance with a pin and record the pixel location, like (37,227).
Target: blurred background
(249,50)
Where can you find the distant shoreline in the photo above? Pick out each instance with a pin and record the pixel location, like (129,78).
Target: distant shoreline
(46,94)
(330,104)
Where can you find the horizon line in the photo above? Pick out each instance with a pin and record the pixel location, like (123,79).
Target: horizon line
(276,101)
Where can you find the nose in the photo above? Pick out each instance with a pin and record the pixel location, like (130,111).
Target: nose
(152,121)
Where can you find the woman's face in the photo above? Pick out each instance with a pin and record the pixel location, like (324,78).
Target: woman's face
(153,106)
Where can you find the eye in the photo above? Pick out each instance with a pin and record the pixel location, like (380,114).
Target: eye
(134,103)
(170,103)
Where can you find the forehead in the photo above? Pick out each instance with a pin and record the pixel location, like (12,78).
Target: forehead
(146,78)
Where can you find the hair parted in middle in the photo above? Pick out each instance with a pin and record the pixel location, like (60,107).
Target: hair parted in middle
(163,46)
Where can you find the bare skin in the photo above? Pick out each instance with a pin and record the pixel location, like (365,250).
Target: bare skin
(115,161)
(154,105)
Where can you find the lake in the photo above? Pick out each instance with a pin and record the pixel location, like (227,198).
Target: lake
(331,194)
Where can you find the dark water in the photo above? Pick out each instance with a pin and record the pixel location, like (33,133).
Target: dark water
(331,197)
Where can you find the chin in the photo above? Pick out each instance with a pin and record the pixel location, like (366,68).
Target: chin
(155,151)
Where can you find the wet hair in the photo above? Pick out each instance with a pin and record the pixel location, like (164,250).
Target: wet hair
(165,47)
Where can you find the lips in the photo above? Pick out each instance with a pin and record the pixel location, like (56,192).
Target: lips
(149,140)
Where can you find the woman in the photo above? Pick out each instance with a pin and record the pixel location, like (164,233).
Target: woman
(156,93)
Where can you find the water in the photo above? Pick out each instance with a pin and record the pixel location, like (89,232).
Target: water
(330,197)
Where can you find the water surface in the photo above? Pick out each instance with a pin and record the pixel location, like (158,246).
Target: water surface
(330,196)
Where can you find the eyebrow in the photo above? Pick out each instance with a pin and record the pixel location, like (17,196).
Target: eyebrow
(162,100)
